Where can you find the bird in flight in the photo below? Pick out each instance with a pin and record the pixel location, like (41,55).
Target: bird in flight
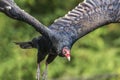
(58,38)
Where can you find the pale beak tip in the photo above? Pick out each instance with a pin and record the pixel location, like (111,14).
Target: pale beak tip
(68,58)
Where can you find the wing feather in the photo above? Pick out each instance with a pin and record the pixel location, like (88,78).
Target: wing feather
(10,8)
(87,16)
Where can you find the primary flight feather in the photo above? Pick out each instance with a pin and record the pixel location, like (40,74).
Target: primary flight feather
(58,38)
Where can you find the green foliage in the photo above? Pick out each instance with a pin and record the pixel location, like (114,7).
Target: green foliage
(95,54)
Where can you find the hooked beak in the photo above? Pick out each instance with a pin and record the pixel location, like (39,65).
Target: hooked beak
(66,52)
(67,55)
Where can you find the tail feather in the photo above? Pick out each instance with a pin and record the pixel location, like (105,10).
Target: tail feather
(24,45)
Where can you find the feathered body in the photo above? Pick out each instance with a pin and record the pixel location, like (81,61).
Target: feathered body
(86,17)
(59,37)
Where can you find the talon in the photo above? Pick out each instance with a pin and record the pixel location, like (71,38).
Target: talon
(38,72)
(44,75)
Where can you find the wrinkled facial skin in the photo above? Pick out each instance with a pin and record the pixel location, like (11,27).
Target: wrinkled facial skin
(66,53)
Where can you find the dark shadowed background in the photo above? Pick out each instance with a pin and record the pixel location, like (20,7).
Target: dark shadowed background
(96,56)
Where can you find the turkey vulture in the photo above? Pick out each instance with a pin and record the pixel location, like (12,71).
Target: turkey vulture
(58,38)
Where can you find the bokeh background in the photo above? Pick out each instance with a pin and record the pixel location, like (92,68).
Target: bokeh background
(96,56)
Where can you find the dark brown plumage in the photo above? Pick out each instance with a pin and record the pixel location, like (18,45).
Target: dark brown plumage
(59,37)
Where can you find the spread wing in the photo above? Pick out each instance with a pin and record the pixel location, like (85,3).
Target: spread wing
(86,17)
(10,8)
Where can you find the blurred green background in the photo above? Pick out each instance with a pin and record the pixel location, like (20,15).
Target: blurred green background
(96,56)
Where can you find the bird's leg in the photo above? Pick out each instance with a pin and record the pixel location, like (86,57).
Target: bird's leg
(40,57)
(48,61)
(38,72)
(44,76)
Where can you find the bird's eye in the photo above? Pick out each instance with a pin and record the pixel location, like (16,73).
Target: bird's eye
(64,52)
